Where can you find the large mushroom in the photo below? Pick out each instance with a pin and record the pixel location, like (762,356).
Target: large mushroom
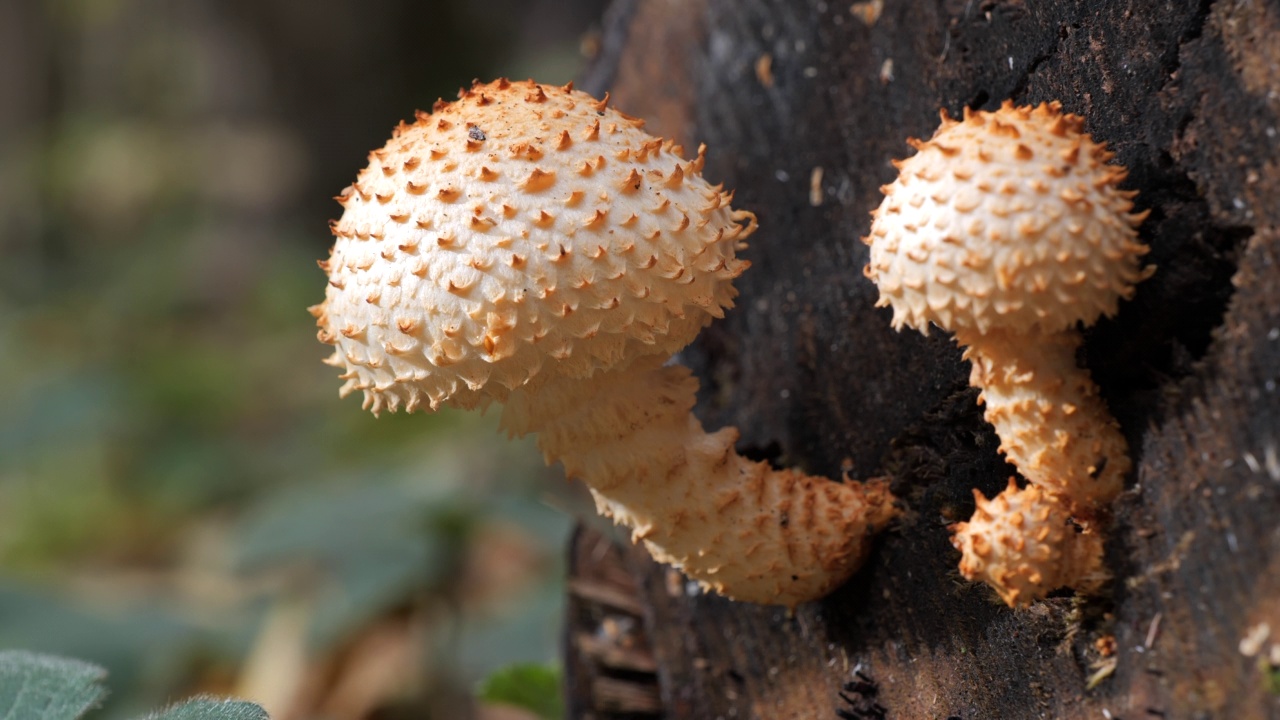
(529,245)
(1009,229)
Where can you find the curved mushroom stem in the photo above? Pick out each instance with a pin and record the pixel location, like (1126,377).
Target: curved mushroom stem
(1053,425)
(1055,428)
(738,527)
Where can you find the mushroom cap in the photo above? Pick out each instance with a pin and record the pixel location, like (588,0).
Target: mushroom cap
(519,225)
(1022,544)
(1009,219)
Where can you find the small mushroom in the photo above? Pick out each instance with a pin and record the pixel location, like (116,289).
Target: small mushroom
(1023,544)
(530,246)
(1008,229)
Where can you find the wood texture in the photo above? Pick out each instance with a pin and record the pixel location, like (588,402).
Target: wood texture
(1188,95)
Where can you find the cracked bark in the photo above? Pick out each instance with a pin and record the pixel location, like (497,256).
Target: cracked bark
(1189,98)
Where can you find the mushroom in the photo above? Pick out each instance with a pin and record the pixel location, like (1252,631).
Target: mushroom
(530,246)
(1008,229)
(1023,544)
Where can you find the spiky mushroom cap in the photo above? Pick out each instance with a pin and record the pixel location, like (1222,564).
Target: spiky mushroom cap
(1010,220)
(1022,543)
(523,229)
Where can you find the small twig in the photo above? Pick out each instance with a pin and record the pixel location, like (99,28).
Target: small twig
(1152,630)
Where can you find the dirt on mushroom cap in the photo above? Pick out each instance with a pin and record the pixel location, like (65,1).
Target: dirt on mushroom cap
(520,230)
(997,210)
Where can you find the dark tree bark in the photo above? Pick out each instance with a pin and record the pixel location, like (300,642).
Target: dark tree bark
(802,105)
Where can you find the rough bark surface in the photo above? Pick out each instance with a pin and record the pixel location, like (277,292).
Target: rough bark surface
(1188,95)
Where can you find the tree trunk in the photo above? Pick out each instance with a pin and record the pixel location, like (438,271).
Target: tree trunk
(803,105)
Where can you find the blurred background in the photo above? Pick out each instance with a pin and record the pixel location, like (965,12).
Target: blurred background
(183,497)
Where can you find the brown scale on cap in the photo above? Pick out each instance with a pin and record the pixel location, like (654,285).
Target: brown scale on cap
(531,246)
(1009,229)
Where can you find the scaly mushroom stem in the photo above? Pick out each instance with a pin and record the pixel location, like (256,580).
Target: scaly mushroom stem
(1057,431)
(739,527)
(1053,425)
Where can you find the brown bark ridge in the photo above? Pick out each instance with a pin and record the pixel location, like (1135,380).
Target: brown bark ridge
(803,104)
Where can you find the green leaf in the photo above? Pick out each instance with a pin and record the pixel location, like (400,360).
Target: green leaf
(46,687)
(535,688)
(208,708)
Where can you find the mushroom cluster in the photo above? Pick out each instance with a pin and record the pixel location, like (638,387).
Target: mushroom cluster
(1008,229)
(529,245)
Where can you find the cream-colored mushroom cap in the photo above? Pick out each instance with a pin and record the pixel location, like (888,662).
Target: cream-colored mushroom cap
(521,230)
(1008,219)
(1022,543)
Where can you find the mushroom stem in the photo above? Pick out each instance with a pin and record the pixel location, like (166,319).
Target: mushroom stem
(1053,425)
(738,527)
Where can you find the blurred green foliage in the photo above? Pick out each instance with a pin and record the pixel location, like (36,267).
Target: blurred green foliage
(1270,676)
(533,687)
(176,471)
